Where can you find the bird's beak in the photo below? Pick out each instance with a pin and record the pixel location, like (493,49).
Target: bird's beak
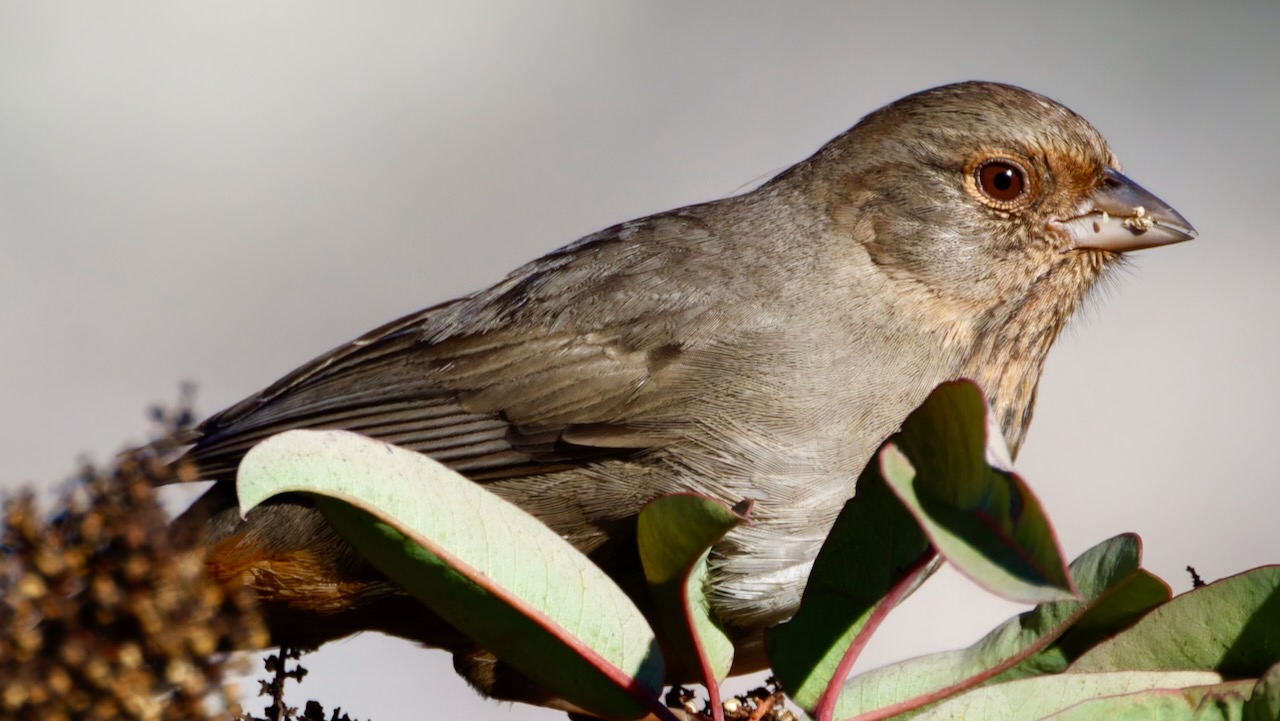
(1122,216)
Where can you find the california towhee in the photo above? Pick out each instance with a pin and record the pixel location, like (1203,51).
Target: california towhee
(758,346)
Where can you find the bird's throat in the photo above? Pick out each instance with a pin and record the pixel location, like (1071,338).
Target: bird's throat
(1012,345)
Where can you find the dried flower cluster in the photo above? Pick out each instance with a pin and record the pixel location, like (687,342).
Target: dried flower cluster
(767,703)
(103,616)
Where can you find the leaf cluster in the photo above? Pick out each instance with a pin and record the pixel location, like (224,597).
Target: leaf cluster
(1103,639)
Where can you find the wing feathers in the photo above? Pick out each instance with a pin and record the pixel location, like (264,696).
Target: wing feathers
(492,386)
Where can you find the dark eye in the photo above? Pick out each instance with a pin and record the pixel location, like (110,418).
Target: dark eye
(1002,180)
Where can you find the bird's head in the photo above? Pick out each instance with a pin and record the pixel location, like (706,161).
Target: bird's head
(980,191)
(992,211)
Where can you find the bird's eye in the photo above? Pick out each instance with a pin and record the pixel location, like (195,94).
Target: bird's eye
(1003,181)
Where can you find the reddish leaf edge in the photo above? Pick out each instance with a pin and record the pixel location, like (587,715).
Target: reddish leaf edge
(742,510)
(1002,537)
(617,676)
(911,704)
(911,578)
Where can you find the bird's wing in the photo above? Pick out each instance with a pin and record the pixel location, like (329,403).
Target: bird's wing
(501,384)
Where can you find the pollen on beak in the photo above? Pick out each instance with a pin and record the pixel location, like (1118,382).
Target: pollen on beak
(1124,216)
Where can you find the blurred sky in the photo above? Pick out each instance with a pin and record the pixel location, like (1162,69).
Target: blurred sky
(220,191)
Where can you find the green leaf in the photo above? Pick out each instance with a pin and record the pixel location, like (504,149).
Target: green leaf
(485,566)
(1264,703)
(1120,607)
(1106,569)
(1217,702)
(674,534)
(983,519)
(1037,698)
(1231,626)
(874,547)
(980,517)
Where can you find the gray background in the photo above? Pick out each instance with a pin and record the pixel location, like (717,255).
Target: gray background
(219,192)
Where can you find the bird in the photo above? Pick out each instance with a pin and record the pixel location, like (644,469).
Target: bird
(757,346)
